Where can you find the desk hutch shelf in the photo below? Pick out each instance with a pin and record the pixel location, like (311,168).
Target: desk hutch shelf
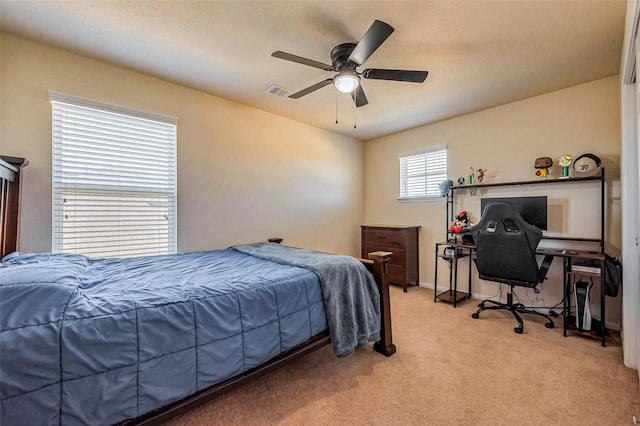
(569,257)
(600,177)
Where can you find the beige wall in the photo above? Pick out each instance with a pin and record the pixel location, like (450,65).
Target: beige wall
(243,174)
(506,140)
(246,175)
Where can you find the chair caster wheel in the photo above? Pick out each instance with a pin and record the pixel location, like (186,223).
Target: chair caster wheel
(475,315)
(518,330)
(549,325)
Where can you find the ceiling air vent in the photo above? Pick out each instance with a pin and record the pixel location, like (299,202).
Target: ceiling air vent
(274,89)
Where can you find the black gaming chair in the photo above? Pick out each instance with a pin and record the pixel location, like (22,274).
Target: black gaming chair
(506,253)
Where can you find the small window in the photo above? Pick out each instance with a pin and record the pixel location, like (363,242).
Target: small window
(421,174)
(114,180)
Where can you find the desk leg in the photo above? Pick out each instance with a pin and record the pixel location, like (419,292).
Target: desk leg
(603,280)
(435,278)
(450,273)
(470,256)
(566,303)
(455,278)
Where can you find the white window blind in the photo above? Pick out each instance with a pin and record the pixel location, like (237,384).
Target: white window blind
(114,180)
(421,174)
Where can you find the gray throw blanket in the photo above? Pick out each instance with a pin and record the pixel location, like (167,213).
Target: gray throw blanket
(351,297)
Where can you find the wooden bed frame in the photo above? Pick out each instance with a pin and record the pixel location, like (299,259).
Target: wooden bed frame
(10,201)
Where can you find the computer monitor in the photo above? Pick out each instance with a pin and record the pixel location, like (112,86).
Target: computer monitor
(532,209)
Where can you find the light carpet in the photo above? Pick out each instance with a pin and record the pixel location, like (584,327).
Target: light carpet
(450,369)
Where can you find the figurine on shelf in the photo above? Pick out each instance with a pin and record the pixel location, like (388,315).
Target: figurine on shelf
(470,176)
(461,180)
(481,173)
(565,162)
(543,164)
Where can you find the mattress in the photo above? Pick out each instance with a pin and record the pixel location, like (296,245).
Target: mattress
(98,341)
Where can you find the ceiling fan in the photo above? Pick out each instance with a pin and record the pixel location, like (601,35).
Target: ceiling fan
(347,57)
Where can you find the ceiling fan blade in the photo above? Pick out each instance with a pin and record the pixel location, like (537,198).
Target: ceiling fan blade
(300,60)
(310,89)
(377,33)
(396,75)
(359,97)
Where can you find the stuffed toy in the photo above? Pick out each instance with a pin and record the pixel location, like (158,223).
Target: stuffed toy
(462,224)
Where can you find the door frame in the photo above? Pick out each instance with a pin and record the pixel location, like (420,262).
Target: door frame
(630,186)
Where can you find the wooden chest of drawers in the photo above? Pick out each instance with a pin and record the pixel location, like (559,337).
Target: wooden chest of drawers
(402,241)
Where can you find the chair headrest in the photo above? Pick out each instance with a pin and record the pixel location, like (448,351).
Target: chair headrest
(498,211)
(503,218)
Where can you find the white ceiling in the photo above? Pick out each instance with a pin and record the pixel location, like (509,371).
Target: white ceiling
(479,54)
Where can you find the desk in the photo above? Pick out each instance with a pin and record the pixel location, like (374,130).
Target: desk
(569,256)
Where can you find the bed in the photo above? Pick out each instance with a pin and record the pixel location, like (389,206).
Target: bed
(140,340)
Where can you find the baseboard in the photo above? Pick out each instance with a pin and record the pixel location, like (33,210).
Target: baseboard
(609,325)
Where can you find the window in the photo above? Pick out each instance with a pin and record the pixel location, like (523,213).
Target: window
(421,174)
(114,180)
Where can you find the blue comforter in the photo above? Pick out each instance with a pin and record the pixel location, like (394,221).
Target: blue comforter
(351,297)
(98,341)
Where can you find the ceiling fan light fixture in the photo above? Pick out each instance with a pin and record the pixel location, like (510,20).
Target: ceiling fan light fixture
(345,60)
(346,82)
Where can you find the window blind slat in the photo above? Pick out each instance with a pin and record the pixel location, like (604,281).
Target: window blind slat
(114,182)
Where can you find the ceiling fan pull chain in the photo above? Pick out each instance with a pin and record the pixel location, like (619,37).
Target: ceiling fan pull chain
(336,107)
(355,108)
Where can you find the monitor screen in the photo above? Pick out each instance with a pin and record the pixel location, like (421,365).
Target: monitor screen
(532,209)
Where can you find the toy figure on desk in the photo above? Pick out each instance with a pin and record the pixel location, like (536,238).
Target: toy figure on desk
(481,174)
(462,224)
(470,176)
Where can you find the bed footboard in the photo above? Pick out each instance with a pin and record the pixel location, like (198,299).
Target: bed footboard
(377,264)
